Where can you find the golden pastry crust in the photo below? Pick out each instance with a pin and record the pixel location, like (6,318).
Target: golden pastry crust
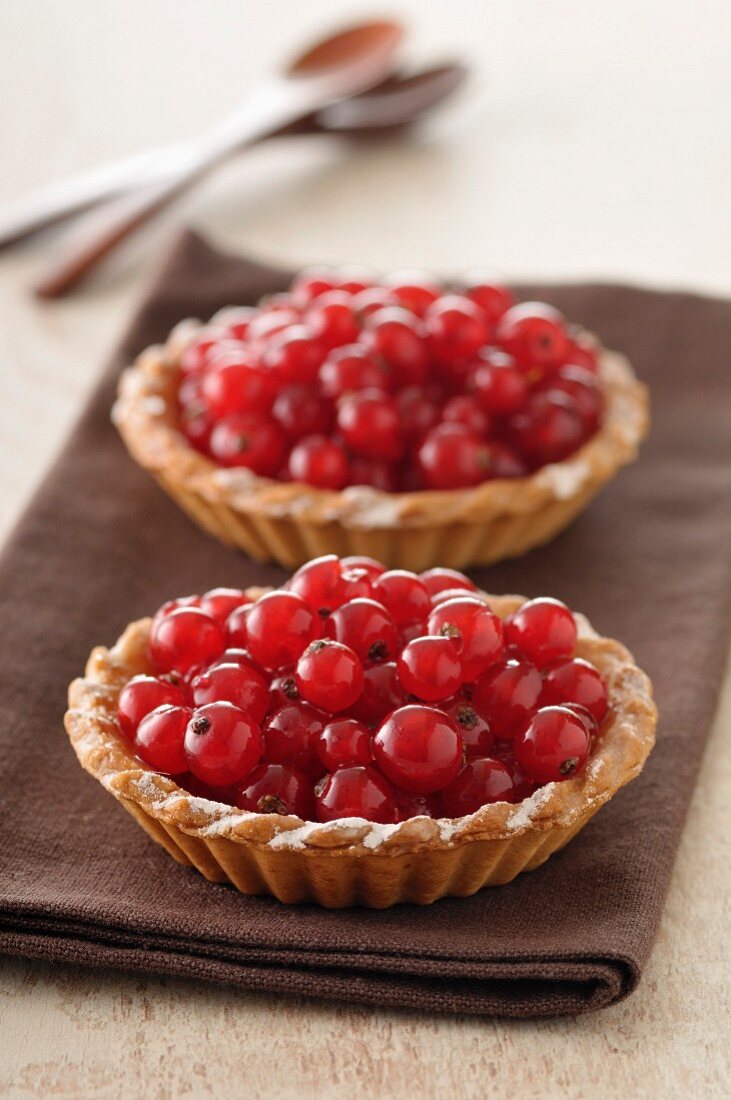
(271,853)
(292,522)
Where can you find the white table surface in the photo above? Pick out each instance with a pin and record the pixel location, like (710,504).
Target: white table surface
(592,142)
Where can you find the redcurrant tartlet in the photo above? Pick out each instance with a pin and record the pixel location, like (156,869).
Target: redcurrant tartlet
(362,735)
(402,419)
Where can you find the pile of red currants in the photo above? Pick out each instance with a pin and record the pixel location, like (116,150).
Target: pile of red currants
(400,385)
(353,691)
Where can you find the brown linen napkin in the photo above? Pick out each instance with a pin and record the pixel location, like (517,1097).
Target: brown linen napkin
(100,545)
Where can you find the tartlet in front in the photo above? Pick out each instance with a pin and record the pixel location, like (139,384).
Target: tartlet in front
(352,862)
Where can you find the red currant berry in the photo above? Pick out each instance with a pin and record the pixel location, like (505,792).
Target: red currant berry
(324,584)
(370,425)
(367,628)
(575,681)
(507,695)
(498,384)
(430,668)
(506,463)
(404,596)
(440,580)
(419,749)
(235,320)
(299,411)
(544,630)
(344,743)
(465,410)
(290,737)
(583,351)
(369,301)
(590,723)
(222,744)
(159,739)
(282,691)
(173,605)
(269,322)
(382,693)
(319,461)
(489,296)
(332,319)
(350,369)
(236,627)
(220,602)
(456,328)
(196,425)
(416,805)
(234,383)
(277,789)
(474,629)
(581,386)
(279,626)
(185,638)
(143,694)
(396,337)
(480,781)
(377,475)
(549,428)
(311,284)
(534,334)
(196,355)
(294,356)
(413,290)
(329,675)
(452,458)
(363,564)
(354,279)
(477,736)
(355,792)
(417,413)
(553,746)
(244,687)
(249,440)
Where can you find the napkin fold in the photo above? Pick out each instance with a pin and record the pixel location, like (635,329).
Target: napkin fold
(100,545)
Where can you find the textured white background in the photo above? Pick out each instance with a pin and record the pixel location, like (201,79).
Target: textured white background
(593,141)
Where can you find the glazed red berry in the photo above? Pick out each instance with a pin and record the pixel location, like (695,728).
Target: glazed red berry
(234,655)
(184,639)
(440,579)
(583,352)
(480,781)
(544,630)
(356,792)
(282,691)
(474,629)
(586,717)
(235,320)
(382,693)
(553,746)
(419,749)
(370,426)
(319,461)
(332,319)
(294,356)
(236,634)
(329,675)
(159,739)
(535,335)
(488,294)
(234,383)
(277,789)
(404,596)
(279,626)
(499,384)
(369,471)
(575,681)
(367,628)
(247,439)
(363,564)
(197,353)
(417,412)
(222,744)
(300,412)
(373,298)
(395,336)
(430,668)
(143,694)
(456,328)
(466,411)
(290,737)
(197,425)
(343,743)
(244,687)
(220,602)
(414,290)
(310,284)
(507,695)
(173,605)
(477,736)
(452,457)
(581,386)
(324,583)
(416,805)
(350,369)
(548,429)
(269,321)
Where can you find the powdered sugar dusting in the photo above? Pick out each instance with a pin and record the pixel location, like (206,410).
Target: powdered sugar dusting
(529,807)
(565,478)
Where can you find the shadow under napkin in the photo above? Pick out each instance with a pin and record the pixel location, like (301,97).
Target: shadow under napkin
(101,545)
